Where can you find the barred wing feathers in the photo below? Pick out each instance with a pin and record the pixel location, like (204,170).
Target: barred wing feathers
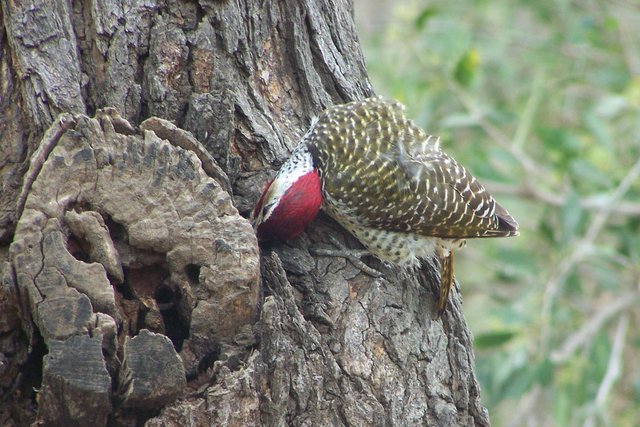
(380,170)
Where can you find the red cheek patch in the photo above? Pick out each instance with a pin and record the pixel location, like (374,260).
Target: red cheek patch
(298,207)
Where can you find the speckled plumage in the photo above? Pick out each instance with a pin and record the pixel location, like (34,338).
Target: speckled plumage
(388,182)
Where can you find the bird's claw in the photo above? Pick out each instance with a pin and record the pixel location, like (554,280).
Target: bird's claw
(352,255)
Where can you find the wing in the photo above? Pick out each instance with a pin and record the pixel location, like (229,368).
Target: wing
(448,201)
(380,170)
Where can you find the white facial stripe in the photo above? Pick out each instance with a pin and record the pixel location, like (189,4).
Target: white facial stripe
(299,164)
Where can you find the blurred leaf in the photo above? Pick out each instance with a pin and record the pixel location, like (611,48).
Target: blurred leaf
(509,365)
(545,372)
(483,162)
(493,339)
(459,120)
(466,67)
(545,228)
(519,259)
(598,128)
(562,408)
(636,388)
(599,356)
(588,175)
(524,378)
(562,144)
(573,286)
(629,238)
(610,23)
(605,275)
(504,160)
(632,92)
(571,216)
(610,106)
(602,158)
(424,16)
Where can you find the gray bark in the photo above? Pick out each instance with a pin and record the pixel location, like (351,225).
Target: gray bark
(136,137)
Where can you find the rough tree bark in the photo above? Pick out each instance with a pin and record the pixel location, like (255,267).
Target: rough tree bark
(136,136)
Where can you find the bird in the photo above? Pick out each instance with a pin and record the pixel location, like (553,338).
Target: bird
(387,182)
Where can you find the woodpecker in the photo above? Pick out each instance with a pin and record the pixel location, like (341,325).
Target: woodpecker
(388,183)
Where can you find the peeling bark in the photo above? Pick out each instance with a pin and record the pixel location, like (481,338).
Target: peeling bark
(133,289)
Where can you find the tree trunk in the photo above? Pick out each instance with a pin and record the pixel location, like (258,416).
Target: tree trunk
(136,137)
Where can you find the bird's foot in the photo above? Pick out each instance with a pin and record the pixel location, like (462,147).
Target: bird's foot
(353,255)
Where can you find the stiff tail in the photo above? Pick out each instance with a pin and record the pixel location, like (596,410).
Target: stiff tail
(507,225)
(446,280)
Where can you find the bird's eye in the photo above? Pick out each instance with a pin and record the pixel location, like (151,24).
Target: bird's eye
(267,208)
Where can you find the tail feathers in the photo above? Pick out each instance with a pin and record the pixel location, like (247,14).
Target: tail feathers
(446,280)
(507,225)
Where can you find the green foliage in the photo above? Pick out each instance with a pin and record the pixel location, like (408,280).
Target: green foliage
(494,338)
(466,67)
(541,101)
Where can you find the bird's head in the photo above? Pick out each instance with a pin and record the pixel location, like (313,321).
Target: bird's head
(290,201)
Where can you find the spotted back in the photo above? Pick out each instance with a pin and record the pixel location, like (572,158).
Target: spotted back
(380,170)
